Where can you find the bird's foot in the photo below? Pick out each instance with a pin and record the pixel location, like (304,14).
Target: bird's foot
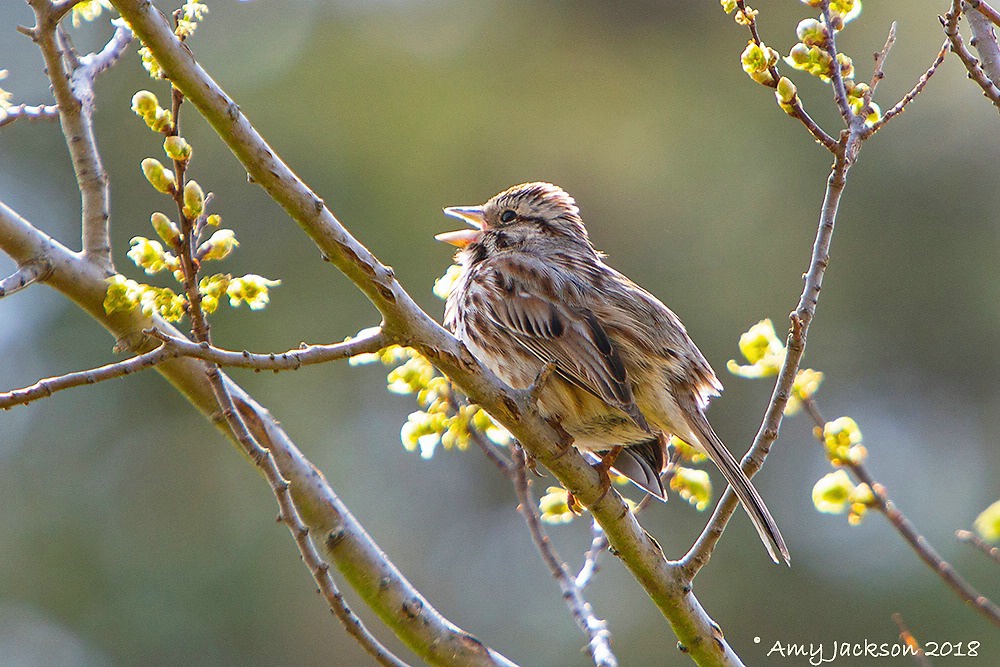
(603,468)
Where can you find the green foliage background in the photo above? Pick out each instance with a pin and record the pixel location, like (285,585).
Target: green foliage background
(131,533)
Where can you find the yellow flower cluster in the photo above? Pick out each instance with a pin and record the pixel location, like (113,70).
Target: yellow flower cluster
(842,439)
(757,61)
(187,21)
(987,524)
(443,419)
(693,485)
(88,10)
(761,347)
(835,492)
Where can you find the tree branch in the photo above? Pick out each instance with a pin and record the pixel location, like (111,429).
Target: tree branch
(74,93)
(28,112)
(289,515)
(971,538)
(25,275)
(801,318)
(908,531)
(343,541)
(900,106)
(985,10)
(405,323)
(984,40)
(306,355)
(48,386)
(976,73)
(595,628)
(924,550)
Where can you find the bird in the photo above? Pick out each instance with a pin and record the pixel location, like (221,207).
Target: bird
(535,301)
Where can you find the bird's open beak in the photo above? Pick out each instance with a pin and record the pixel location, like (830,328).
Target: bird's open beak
(472,216)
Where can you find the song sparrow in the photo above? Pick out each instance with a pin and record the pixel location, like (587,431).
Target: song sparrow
(534,292)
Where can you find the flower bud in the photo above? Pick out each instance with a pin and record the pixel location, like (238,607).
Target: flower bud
(145,104)
(158,176)
(177,148)
(194,200)
(165,229)
(786,91)
(219,246)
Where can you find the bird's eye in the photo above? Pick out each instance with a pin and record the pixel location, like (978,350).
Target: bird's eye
(507,216)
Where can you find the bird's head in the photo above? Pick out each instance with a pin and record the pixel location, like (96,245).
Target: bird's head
(526,215)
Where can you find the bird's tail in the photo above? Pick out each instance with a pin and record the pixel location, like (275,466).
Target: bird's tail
(740,483)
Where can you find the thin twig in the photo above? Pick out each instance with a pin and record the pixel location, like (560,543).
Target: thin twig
(836,76)
(801,318)
(910,96)
(911,642)
(924,549)
(969,537)
(25,275)
(28,112)
(976,73)
(492,451)
(798,111)
(293,359)
(908,531)
(48,386)
(879,72)
(595,629)
(598,545)
(264,460)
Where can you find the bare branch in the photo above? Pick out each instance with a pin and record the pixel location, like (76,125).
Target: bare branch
(909,97)
(48,386)
(879,72)
(306,355)
(984,41)
(73,91)
(976,73)
(289,515)
(595,628)
(598,545)
(908,531)
(985,10)
(28,112)
(801,318)
(971,538)
(927,553)
(25,275)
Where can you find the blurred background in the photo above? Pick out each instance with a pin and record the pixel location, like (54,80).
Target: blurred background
(131,532)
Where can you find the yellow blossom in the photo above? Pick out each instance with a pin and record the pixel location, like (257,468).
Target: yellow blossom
(987,524)
(252,289)
(692,485)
